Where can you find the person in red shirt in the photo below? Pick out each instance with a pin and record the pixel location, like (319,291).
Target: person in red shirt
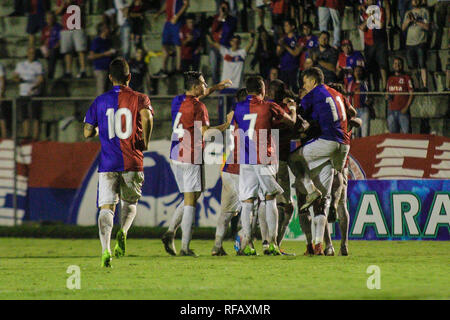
(50,40)
(398,118)
(356,88)
(190,45)
(279,10)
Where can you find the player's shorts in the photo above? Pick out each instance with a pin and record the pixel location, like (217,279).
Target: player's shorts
(320,151)
(71,39)
(284,182)
(190,177)
(253,177)
(171,34)
(229,199)
(126,185)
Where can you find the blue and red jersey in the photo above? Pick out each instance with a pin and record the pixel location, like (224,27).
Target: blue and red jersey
(172,8)
(254,118)
(287,60)
(116,113)
(307,43)
(329,108)
(189,115)
(350,62)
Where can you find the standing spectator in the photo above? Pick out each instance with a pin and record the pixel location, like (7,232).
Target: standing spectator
(222,30)
(375,42)
(101,56)
(139,72)
(279,15)
(123,22)
(175,10)
(288,51)
(307,42)
(136,14)
(260,9)
(398,118)
(356,88)
(30,75)
(442,10)
(72,39)
(348,60)
(50,40)
(3,132)
(36,19)
(325,57)
(333,9)
(190,45)
(265,53)
(416,25)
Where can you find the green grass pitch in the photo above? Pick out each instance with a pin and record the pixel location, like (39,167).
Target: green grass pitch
(36,269)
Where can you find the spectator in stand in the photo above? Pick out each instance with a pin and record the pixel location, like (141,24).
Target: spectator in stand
(442,9)
(72,39)
(375,42)
(50,40)
(280,11)
(36,19)
(101,56)
(325,57)
(274,74)
(288,50)
(307,42)
(398,118)
(30,75)
(416,24)
(175,10)
(190,45)
(223,28)
(333,9)
(348,60)
(356,88)
(124,24)
(260,9)
(3,132)
(20,7)
(136,14)
(265,53)
(139,72)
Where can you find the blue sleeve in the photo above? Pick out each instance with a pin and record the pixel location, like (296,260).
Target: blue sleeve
(306,105)
(91,114)
(94,45)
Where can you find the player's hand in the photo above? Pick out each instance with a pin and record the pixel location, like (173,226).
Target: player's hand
(305,125)
(224,84)
(230,117)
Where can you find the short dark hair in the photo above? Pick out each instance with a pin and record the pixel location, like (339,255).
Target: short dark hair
(191,78)
(241,94)
(100,27)
(277,90)
(314,73)
(308,24)
(325,32)
(119,70)
(254,84)
(290,21)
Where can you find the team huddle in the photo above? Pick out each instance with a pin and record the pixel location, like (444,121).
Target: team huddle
(259,155)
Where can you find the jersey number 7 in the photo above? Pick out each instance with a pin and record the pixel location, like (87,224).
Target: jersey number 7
(115,123)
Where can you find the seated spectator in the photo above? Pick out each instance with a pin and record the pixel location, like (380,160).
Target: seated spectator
(279,10)
(30,75)
(265,53)
(101,56)
(136,14)
(124,24)
(222,30)
(355,88)
(416,24)
(333,9)
(175,10)
(72,39)
(190,45)
(398,119)
(3,132)
(36,19)
(288,50)
(348,60)
(325,57)
(139,72)
(375,42)
(50,40)
(307,42)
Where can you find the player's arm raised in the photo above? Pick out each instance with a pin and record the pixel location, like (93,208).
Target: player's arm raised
(217,87)
(147,126)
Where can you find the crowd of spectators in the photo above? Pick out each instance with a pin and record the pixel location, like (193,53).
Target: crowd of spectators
(283,51)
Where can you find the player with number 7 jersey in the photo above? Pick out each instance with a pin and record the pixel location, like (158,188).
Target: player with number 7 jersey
(123,119)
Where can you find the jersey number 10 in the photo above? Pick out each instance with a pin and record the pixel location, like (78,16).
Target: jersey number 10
(115,127)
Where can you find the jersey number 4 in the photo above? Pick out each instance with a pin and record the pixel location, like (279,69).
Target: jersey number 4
(115,127)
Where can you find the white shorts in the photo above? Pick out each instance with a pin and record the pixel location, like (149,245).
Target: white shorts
(189,177)
(71,39)
(253,177)
(229,199)
(320,151)
(126,185)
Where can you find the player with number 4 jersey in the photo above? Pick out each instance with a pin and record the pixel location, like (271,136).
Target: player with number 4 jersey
(123,119)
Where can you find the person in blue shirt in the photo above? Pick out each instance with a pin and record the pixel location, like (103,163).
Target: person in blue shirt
(288,50)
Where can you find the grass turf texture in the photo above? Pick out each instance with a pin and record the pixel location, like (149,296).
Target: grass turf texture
(36,269)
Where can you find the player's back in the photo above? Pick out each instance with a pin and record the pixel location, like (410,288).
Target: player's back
(116,113)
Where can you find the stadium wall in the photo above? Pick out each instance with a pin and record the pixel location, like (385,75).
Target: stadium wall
(399,187)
